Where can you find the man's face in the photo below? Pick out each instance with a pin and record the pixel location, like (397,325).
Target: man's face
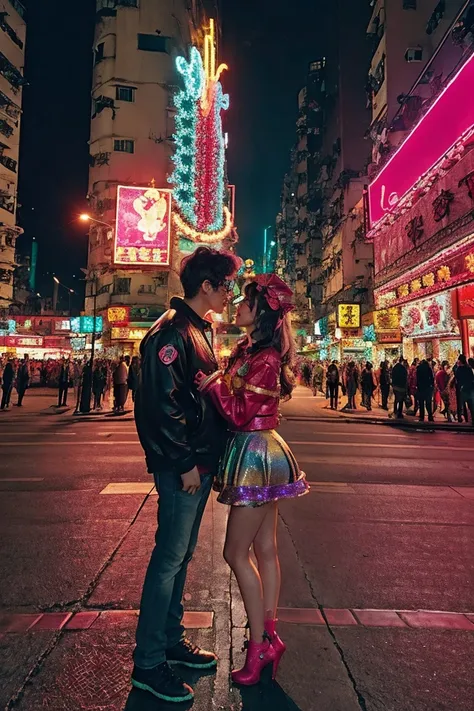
(217,299)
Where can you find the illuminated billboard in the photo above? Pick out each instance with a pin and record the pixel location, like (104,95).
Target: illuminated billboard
(449,118)
(118,315)
(143,226)
(348,315)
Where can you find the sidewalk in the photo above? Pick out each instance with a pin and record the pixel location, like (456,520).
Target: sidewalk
(304,406)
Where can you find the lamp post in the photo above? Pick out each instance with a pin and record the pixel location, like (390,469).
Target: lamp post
(57,284)
(87,218)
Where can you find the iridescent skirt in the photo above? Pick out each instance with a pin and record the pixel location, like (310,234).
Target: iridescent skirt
(258,467)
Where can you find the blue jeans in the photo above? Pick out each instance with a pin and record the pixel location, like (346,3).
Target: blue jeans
(161,609)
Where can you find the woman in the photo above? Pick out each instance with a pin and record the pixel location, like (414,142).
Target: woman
(133,376)
(258,468)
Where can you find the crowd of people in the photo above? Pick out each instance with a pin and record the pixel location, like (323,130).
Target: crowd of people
(90,385)
(422,388)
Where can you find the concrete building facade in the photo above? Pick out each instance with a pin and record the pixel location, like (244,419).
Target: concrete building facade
(134,80)
(12,61)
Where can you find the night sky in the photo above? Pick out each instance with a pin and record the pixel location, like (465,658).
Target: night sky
(267,45)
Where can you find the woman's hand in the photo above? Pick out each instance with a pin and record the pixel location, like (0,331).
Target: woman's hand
(200,376)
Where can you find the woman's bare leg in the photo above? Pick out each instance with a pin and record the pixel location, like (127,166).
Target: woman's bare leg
(266,552)
(242,528)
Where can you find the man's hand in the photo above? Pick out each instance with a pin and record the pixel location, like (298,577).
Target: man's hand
(191,481)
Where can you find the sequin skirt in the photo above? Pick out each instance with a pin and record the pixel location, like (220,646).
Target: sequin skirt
(258,467)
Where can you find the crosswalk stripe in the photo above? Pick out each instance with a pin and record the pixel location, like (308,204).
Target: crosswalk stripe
(381,445)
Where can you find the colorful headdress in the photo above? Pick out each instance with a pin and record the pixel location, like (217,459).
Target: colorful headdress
(277,294)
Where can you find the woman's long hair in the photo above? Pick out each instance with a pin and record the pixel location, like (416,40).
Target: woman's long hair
(272,329)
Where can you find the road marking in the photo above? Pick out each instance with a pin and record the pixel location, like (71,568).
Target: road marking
(40,433)
(380,445)
(385,462)
(131,487)
(25,478)
(42,443)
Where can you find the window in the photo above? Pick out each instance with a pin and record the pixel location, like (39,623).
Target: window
(99,53)
(124,146)
(122,285)
(409,4)
(146,289)
(125,93)
(153,43)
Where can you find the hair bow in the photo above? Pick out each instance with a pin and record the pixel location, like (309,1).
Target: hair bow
(277,294)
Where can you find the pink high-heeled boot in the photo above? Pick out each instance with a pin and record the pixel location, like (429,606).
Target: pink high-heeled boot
(278,645)
(259,655)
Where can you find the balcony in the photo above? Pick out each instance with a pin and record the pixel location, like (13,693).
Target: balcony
(8,163)
(18,7)
(7,202)
(5,128)
(11,73)
(9,30)
(9,106)
(108,8)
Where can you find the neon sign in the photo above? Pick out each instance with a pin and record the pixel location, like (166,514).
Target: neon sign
(449,118)
(143,227)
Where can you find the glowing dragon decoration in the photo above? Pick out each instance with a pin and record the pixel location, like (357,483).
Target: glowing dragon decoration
(198,179)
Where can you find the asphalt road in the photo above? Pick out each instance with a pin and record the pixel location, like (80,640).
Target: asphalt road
(388,525)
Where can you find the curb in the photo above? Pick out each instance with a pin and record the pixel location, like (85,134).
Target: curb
(428,426)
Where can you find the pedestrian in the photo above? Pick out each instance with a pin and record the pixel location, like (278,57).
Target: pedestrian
(98,384)
(306,373)
(85,388)
(368,385)
(64,382)
(258,468)
(384,383)
(8,378)
(399,387)
(424,389)
(120,385)
(332,379)
(441,383)
(23,379)
(182,436)
(465,386)
(133,376)
(352,383)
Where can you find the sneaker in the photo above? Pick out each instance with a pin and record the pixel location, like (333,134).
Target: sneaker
(186,653)
(162,682)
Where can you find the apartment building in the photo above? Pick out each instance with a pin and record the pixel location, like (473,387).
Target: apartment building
(12,61)
(132,123)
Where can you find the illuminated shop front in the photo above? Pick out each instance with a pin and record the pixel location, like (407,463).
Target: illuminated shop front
(421,208)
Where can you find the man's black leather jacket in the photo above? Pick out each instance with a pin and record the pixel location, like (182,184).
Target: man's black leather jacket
(178,428)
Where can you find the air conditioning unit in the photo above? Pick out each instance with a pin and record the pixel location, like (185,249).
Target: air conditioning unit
(414,54)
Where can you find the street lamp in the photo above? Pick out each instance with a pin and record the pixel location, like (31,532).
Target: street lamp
(57,284)
(87,218)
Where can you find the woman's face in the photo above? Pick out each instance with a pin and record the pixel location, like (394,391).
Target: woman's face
(245,316)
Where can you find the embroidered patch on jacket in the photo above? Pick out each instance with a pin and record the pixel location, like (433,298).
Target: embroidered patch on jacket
(168,354)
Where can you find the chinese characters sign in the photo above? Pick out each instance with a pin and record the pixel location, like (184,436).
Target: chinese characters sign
(118,315)
(445,122)
(85,324)
(466,301)
(386,319)
(143,226)
(24,341)
(348,315)
(432,316)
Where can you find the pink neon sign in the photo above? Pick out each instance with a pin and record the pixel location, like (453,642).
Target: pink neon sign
(449,118)
(143,227)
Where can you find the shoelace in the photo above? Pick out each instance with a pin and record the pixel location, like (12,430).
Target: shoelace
(190,646)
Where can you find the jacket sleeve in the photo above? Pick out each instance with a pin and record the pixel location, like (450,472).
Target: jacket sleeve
(163,384)
(240,407)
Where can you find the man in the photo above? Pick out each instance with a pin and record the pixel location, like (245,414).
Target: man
(425,386)
(399,387)
(8,377)
(120,385)
(182,436)
(23,379)
(465,389)
(332,379)
(63,382)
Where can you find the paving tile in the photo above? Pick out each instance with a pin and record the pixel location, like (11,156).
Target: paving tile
(17,623)
(198,620)
(378,618)
(82,620)
(301,615)
(437,620)
(52,621)
(466,491)
(343,618)
(134,487)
